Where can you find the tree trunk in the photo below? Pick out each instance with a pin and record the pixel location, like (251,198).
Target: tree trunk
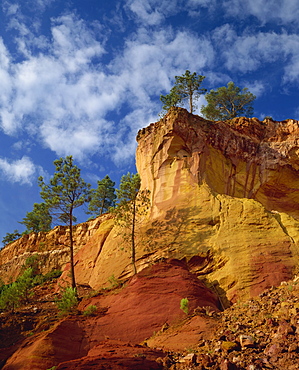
(191,103)
(72,252)
(133,237)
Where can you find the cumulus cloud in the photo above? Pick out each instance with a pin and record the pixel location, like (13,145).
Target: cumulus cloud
(257,88)
(250,51)
(21,171)
(57,84)
(68,93)
(154,12)
(60,97)
(283,11)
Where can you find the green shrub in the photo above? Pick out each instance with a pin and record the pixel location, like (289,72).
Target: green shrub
(184,306)
(90,310)
(32,261)
(68,302)
(114,282)
(54,274)
(10,297)
(25,283)
(40,279)
(13,295)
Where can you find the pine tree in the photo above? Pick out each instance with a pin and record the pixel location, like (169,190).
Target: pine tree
(132,203)
(228,102)
(39,219)
(65,192)
(186,86)
(102,198)
(11,237)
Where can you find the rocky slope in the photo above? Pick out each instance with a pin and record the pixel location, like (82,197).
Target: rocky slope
(149,302)
(261,333)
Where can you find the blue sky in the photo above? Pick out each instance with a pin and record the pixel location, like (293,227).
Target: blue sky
(81,77)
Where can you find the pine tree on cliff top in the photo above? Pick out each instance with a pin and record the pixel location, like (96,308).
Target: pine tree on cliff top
(65,192)
(228,102)
(187,87)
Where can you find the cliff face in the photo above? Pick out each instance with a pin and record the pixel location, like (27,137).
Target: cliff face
(52,247)
(242,158)
(224,197)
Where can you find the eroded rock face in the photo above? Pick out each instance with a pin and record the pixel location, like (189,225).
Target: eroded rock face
(226,192)
(52,248)
(242,158)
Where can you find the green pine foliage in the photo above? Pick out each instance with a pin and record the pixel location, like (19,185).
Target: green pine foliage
(19,292)
(33,262)
(11,237)
(90,310)
(173,99)
(65,192)
(10,297)
(132,204)
(25,283)
(186,87)
(68,302)
(102,198)
(228,102)
(39,219)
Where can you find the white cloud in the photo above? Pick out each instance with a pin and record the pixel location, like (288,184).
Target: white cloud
(31,5)
(282,11)
(257,88)
(21,171)
(151,61)
(73,140)
(59,96)
(152,12)
(249,52)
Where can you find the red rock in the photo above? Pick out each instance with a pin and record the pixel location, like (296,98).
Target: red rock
(227,365)
(188,359)
(116,355)
(273,349)
(246,341)
(150,299)
(61,343)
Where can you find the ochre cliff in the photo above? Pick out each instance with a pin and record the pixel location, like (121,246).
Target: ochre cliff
(52,248)
(224,197)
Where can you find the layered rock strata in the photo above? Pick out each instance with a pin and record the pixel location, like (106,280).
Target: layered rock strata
(225,195)
(52,248)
